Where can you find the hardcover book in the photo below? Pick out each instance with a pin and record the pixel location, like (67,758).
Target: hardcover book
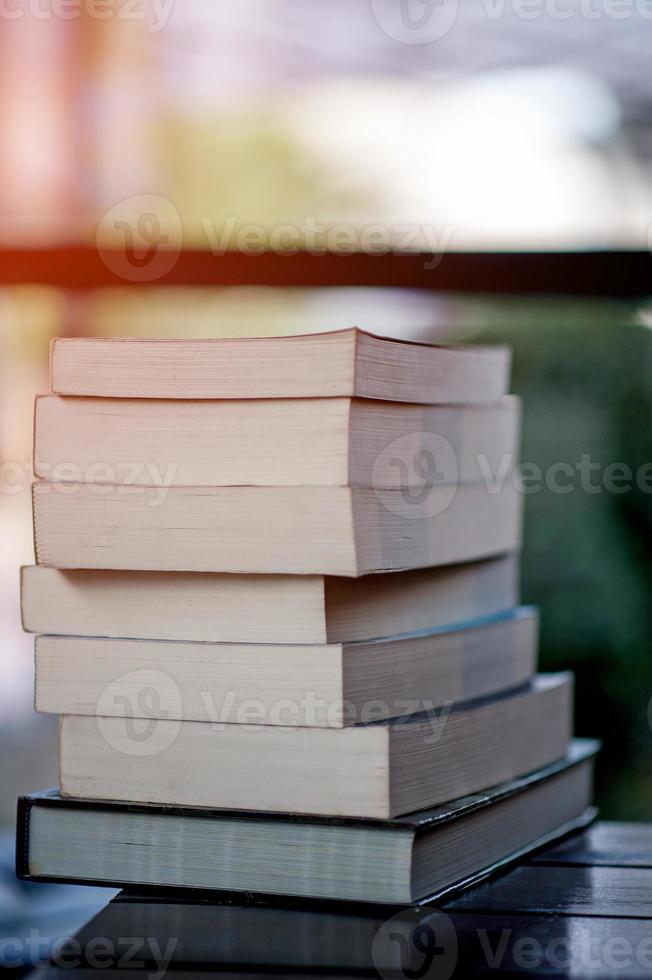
(416,858)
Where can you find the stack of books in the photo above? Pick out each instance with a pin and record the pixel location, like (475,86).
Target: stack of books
(276,602)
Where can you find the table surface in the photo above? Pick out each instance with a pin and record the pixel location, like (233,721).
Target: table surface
(582,908)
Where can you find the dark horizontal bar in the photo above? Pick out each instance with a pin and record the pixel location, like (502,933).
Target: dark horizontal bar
(595,273)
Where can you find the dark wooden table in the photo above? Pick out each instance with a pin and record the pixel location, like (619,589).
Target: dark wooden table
(580,909)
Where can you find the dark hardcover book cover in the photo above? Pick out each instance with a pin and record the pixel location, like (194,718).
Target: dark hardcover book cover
(420,822)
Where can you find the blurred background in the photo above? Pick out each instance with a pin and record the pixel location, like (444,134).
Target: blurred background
(352,125)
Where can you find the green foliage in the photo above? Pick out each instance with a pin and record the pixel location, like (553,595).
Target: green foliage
(583,371)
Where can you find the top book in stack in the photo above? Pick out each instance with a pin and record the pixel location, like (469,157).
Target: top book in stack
(322,365)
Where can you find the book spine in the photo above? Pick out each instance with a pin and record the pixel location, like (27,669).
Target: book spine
(23,813)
